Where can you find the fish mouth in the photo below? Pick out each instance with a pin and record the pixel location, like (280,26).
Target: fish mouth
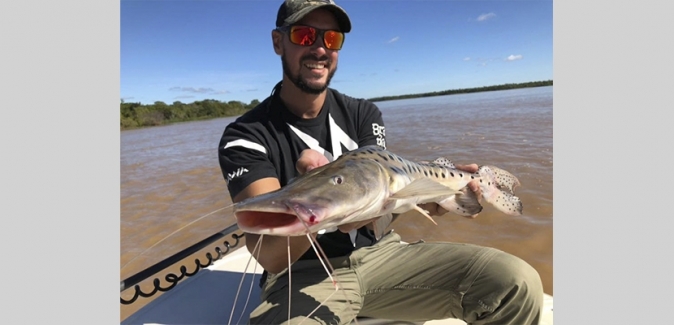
(288,218)
(264,222)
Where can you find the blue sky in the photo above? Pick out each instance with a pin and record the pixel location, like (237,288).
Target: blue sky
(180,50)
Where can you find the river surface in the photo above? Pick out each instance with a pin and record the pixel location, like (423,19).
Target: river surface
(170,175)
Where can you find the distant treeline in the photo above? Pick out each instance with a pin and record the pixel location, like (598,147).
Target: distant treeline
(135,115)
(466,90)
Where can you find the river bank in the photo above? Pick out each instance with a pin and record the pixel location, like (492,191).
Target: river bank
(136,115)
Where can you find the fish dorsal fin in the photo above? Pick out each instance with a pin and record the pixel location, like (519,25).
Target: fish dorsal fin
(423,188)
(442,161)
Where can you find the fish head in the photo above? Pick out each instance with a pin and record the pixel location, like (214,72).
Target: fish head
(346,190)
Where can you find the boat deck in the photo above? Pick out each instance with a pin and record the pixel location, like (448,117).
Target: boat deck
(206,298)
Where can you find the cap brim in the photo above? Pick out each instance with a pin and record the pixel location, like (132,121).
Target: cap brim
(342,18)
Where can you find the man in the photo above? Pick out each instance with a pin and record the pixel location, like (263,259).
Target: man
(303,125)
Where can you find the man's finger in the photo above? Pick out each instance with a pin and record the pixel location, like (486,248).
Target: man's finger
(310,159)
(471,168)
(475,187)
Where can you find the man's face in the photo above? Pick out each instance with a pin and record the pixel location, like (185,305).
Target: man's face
(310,68)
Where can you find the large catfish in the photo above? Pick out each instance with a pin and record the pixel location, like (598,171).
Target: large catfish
(370,182)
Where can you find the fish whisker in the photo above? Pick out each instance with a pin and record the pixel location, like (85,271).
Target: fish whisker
(256,254)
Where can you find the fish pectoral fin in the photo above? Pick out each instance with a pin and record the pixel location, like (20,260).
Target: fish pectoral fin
(423,188)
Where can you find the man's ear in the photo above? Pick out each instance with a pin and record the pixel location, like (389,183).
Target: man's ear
(277,39)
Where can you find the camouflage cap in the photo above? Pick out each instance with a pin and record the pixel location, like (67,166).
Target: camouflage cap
(292,11)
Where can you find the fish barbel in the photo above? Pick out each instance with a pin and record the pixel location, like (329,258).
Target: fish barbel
(370,182)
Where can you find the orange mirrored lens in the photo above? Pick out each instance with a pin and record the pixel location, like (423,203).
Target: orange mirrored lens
(306,36)
(333,40)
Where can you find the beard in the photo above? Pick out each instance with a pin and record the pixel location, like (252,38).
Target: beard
(300,82)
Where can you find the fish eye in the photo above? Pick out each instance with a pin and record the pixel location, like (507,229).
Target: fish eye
(337,180)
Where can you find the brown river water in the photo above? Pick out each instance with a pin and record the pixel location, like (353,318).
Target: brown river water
(170,176)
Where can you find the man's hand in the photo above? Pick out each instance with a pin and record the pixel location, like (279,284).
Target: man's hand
(435,209)
(473,185)
(310,159)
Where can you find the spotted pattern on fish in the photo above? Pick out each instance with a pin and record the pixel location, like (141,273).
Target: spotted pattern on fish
(373,182)
(504,179)
(499,183)
(442,161)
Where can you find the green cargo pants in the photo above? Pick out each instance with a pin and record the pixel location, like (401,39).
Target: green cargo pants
(408,282)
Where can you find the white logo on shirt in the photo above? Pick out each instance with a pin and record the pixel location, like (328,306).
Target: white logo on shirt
(236,173)
(380,132)
(338,136)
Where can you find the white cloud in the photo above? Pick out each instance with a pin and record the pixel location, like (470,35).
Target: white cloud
(192,90)
(200,90)
(514,57)
(395,39)
(484,17)
(466,58)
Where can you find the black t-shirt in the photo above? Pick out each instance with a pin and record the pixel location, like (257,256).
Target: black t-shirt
(267,141)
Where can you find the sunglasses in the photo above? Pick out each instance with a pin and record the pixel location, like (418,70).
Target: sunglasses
(306,36)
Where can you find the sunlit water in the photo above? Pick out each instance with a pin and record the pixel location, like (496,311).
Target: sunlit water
(170,175)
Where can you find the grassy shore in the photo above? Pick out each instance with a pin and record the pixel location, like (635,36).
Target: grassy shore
(137,115)
(466,90)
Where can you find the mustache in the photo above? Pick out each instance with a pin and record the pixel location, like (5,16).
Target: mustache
(315,58)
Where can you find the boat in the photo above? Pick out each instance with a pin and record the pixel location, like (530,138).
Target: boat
(208,294)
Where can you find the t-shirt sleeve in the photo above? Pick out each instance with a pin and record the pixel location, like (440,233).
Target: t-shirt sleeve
(371,129)
(244,158)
